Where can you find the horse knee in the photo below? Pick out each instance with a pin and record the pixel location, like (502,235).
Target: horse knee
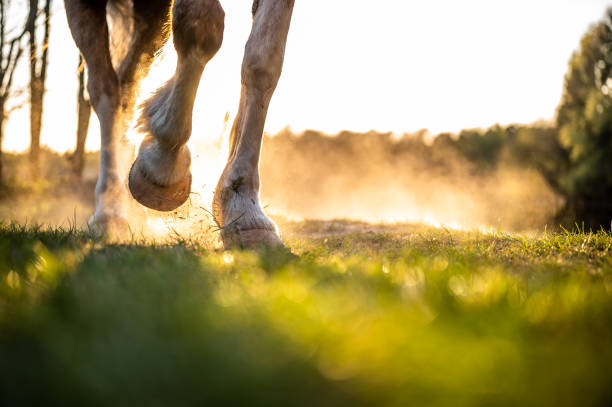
(103,91)
(261,70)
(265,49)
(198,27)
(87,21)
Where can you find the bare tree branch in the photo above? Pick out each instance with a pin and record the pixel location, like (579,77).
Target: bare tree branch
(30,27)
(12,69)
(18,106)
(45,45)
(10,54)
(10,64)
(2,24)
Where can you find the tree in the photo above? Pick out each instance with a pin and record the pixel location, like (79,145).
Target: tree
(482,147)
(584,121)
(10,53)
(39,56)
(536,146)
(83,115)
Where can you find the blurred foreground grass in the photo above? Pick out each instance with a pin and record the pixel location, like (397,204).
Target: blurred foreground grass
(358,315)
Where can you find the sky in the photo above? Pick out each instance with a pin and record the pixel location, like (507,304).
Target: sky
(386,65)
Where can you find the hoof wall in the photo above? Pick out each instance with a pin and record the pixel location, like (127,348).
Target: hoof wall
(158,197)
(112,228)
(251,239)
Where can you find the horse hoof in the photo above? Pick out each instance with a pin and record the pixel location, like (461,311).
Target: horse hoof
(155,196)
(250,239)
(110,227)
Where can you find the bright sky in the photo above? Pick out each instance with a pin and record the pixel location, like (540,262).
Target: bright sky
(388,65)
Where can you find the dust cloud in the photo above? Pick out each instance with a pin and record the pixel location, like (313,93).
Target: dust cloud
(378,178)
(370,177)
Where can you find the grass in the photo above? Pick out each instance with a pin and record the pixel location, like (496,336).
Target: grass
(358,315)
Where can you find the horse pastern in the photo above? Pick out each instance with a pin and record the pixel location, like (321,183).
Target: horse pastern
(110,226)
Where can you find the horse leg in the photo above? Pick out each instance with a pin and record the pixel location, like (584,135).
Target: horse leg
(160,178)
(147,37)
(148,20)
(236,206)
(87,21)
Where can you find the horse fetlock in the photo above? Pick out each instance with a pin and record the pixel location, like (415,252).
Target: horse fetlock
(241,220)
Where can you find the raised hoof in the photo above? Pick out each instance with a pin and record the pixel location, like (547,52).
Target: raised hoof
(158,197)
(250,239)
(110,227)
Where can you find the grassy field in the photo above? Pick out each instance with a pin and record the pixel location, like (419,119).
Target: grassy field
(356,315)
